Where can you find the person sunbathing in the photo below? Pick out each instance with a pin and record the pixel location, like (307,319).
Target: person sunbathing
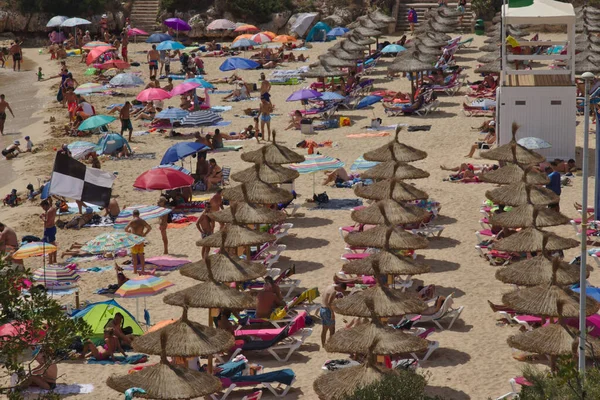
(147,112)
(489,140)
(230,79)
(339,174)
(239,93)
(246,133)
(44,375)
(439,301)
(302,58)
(79,221)
(186,103)
(106,352)
(75,250)
(295,121)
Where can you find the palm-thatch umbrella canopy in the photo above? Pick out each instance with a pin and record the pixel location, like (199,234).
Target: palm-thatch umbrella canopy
(390,189)
(496,31)
(395,151)
(489,57)
(542,300)
(522,193)
(247,214)
(441,27)
(367,32)
(553,340)
(538,271)
(493,67)
(447,12)
(587,25)
(235,236)
(386,303)
(587,9)
(333,62)
(513,173)
(322,71)
(361,40)
(224,268)
(531,239)
(585,38)
(367,23)
(529,215)
(438,36)
(587,65)
(587,46)
(186,339)
(448,21)
(587,55)
(351,46)
(388,237)
(340,384)
(167,381)
(389,212)
(346,55)
(513,152)
(490,48)
(376,339)
(385,262)
(268,173)
(272,153)
(211,294)
(379,16)
(257,192)
(394,170)
(431,42)
(430,51)
(497,19)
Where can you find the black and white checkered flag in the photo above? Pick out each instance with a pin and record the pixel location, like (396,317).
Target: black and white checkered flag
(72,179)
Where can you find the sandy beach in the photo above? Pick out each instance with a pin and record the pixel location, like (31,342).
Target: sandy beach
(473,360)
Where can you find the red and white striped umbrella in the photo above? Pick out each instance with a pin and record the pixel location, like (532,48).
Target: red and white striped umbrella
(261,38)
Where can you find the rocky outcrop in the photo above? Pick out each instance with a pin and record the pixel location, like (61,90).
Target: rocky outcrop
(277,23)
(11,21)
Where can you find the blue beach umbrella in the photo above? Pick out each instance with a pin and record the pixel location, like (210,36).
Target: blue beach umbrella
(170,45)
(590,291)
(158,38)
(126,80)
(244,43)
(393,48)
(234,63)
(200,81)
(331,96)
(172,114)
(96,121)
(367,101)
(180,151)
(337,31)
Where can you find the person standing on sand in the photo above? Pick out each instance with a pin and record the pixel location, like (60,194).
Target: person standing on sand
(206,227)
(326,312)
(139,227)
(163,223)
(3,107)
(17,55)
(49,218)
(153,58)
(8,239)
(125,117)
(265,110)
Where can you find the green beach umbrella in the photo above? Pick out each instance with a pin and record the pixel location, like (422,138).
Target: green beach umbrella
(96,121)
(90,71)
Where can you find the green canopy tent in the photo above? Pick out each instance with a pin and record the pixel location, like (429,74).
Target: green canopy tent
(97,315)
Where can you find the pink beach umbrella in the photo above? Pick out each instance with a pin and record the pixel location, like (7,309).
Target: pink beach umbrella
(261,38)
(136,31)
(152,94)
(221,24)
(183,88)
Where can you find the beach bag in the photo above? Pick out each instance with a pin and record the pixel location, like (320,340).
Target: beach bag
(321,198)
(344,121)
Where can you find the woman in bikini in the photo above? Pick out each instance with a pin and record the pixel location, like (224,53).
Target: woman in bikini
(106,352)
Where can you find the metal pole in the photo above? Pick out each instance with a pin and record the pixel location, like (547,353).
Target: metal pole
(582,270)
(596,183)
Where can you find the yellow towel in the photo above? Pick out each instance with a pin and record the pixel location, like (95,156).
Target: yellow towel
(512,41)
(201,198)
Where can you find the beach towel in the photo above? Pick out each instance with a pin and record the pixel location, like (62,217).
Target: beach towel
(220,108)
(221,92)
(60,292)
(226,148)
(367,135)
(73,209)
(222,123)
(414,128)
(96,269)
(64,389)
(132,359)
(140,133)
(339,204)
(103,222)
(137,156)
(384,127)
(167,262)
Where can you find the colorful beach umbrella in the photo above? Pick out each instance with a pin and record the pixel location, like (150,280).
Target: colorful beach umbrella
(393,48)
(146,213)
(96,121)
(233,63)
(97,52)
(270,34)
(246,28)
(80,149)
(170,45)
(136,31)
(152,94)
(315,163)
(221,24)
(244,36)
(201,118)
(118,64)
(94,44)
(261,38)
(362,164)
(56,275)
(243,43)
(56,21)
(142,286)
(90,71)
(337,31)
(304,94)
(34,249)
(284,39)
(72,22)
(177,24)
(163,179)
(111,242)
(175,167)
(126,80)
(184,88)
(202,82)
(173,114)
(367,101)
(89,88)
(181,150)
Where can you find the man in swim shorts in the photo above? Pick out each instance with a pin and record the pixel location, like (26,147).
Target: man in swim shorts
(17,55)
(49,217)
(139,227)
(153,57)
(326,312)
(265,110)
(125,117)
(3,106)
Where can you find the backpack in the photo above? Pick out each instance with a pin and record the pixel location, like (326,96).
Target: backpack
(321,198)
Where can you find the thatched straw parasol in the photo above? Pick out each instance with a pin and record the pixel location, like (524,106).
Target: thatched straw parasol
(257,192)
(447,12)
(394,169)
(346,55)
(489,58)
(246,214)
(167,381)
(409,63)
(390,189)
(438,27)
(272,153)
(489,48)
(522,193)
(395,151)
(385,262)
(321,71)
(224,268)
(440,19)
(431,42)
(268,173)
(367,32)
(490,68)
(492,40)
(587,38)
(389,212)
(552,340)
(340,384)
(497,19)
(532,239)
(587,25)
(211,294)
(367,23)
(235,236)
(513,152)
(513,173)
(359,39)
(538,271)
(186,339)
(387,303)
(351,46)
(387,237)
(529,215)
(587,46)
(423,49)
(334,62)
(376,339)
(438,36)
(587,54)
(587,65)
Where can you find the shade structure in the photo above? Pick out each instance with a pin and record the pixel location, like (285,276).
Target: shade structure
(553,340)
(393,48)
(542,300)
(143,286)
(538,271)
(233,63)
(56,21)
(332,61)
(235,236)
(186,339)
(177,24)
(587,65)
(173,114)
(315,163)
(146,213)
(72,22)
(111,242)
(386,303)
(394,169)
(246,28)
(211,294)
(489,48)
(513,173)
(94,44)
(528,215)
(221,24)
(375,339)
(437,35)
(96,121)
(387,237)
(431,41)
(98,315)
(244,36)
(359,39)
(337,31)
(224,268)
(126,80)
(340,384)
(521,193)
(201,118)
(182,150)
(430,51)
(116,64)
(266,173)
(261,38)
(390,189)
(97,52)
(243,43)
(395,151)
(158,38)
(366,32)
(246,214)
(362,164)
(201,82)
(169,45)
(366,22)
(533,239)
(353,48)
(80,149)
(175,167)
(163,179)
(489,68)
(379,16)
(409,62)
(55,275)
(33,249)
(284,39)
(304,94)
(258,192)
(272,153)
(152,94)
(89,88)
(513,152)
(389,212)
(136,31)
(385,262)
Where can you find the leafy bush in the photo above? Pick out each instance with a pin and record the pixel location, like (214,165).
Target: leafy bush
(80,8)
(256,10)
(185,5)
(483,9)
(407,385)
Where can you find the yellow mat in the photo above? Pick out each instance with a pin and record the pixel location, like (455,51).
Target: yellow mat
(201,198)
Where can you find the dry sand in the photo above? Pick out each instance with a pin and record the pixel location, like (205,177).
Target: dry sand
(473,360)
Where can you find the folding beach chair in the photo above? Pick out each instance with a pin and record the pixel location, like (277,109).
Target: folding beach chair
(284,342)
(445,311)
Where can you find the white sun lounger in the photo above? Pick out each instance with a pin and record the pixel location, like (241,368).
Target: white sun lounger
(445,311)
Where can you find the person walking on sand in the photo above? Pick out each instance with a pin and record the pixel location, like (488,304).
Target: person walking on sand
(3,107)
(139,227)
(206,227)
(326,312)
(412,19)
(17,55)
(153,57)
(125,117)
(265,110)
(49,218)
(163,223)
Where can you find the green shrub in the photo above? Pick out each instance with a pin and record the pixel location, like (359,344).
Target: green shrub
(407,385)
(72,8)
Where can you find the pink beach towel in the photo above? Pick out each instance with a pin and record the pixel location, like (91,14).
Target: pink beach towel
(167,262)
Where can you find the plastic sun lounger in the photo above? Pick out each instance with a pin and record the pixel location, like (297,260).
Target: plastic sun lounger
(471,111)
(465,43)
(514,393)
(279,378)
(445,311)
(280,231)
(283,343)
(428,230)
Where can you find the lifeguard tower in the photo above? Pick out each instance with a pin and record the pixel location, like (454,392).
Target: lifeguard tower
(542,100)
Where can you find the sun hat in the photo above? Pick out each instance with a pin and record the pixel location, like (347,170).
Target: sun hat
(17,142)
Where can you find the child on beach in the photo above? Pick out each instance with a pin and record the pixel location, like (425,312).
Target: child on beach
(40,74)
(28,145)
